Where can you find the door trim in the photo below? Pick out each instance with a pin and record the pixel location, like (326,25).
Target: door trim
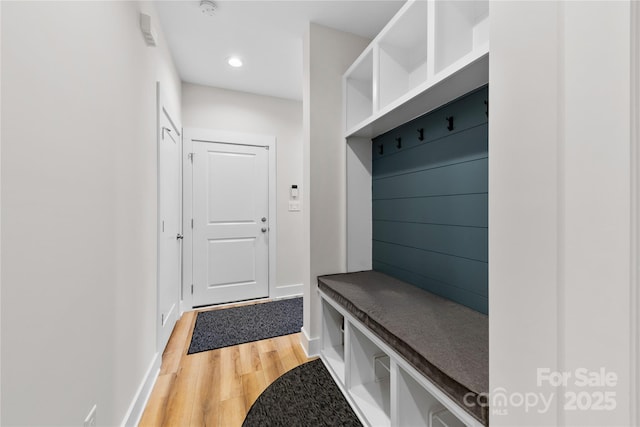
(635,209)
(161,109)
(226,137)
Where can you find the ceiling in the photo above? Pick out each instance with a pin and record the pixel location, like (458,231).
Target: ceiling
(266,34)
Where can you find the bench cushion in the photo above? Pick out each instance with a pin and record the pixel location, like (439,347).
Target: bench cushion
(445,341)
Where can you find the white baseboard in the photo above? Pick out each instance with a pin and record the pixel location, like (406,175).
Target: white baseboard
(184,307)
(311,346)
(288,291)
(134,413)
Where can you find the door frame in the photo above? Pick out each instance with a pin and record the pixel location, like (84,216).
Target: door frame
(635,209)
(228,137)
(162,108)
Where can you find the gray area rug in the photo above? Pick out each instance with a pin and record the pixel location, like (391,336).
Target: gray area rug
(238,325)
(304,396)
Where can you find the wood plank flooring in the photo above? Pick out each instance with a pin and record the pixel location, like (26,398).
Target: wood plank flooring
(216,388)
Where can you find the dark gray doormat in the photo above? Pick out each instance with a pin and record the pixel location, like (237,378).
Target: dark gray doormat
(238,325)
(304,396)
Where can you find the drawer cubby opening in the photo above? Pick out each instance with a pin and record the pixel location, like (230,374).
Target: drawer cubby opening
(403,55)
(333,338)
(461,27)
(369,378)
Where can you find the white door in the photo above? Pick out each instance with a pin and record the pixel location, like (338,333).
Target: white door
(231,224)
(169,225)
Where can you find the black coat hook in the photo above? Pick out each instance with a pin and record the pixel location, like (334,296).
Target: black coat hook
(450,125)
(399,142)
(421,134)
(381,150)
(486,110)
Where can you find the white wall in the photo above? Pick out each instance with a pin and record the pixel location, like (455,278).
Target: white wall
(221,109)
(79,201)
(327,55)
(560,203)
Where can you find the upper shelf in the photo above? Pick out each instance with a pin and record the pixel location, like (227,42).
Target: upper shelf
(431,52)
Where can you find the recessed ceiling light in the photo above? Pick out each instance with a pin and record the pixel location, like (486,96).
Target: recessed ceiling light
(234,61)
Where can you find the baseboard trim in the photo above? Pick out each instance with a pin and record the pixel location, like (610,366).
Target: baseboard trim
(184,307)
(134,413)
(311,346)
(288,291)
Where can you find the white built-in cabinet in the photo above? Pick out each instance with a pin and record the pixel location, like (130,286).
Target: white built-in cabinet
(430,53)
(381,386)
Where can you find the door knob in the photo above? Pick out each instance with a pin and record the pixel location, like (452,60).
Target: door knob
(264,229)
(179,236)
(264,219)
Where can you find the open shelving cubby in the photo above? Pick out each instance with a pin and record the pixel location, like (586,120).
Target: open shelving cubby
(431,52)
(369,384)
(379,384)
(359,90)
(460,28)
(403,58)
(416,406)
(333,339)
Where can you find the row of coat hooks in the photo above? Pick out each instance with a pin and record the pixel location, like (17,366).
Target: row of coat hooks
(450,127)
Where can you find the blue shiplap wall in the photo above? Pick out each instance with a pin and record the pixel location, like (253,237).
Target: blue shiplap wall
(430,202)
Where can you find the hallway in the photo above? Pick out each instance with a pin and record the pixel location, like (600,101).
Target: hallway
(218,387)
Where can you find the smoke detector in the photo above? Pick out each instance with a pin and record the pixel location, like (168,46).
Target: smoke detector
(208,7)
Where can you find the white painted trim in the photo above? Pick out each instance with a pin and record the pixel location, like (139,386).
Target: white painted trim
(287,291)
(229,137)
(161,108)
(140,399)
(0,256)
(187,215)
(311,346)
(158,219)
(635,211)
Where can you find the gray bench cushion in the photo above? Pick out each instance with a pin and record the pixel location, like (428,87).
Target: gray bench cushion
(445,341)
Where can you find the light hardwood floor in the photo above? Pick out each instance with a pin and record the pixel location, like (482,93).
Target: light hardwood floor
(216,388)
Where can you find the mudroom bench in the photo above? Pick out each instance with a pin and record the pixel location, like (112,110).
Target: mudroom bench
(403,356)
